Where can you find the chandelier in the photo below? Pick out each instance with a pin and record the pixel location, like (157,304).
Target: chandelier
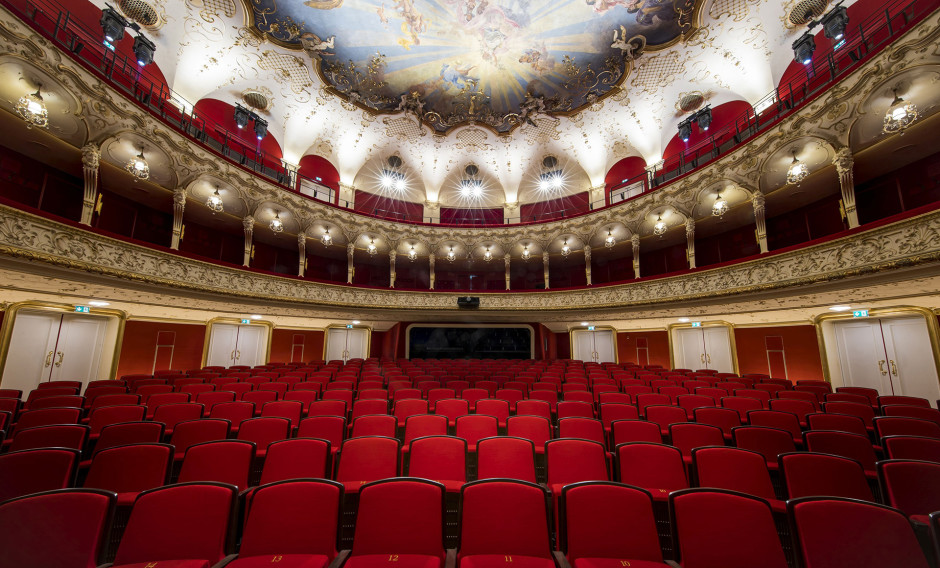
(526,255)
(565,249)
(797,171)
(138,166)
(276,224)
(326,239)
(451,255)
(899,116)
(412,253)
(660,227)
(214,203)
(720,207)
(32,109)
(610,241)
(487,255)
(373,250)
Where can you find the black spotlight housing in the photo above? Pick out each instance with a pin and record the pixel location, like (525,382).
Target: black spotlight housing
(242,116)
(261,127)
(112,25)
(704,118)
(144,50)
(685,130)
(803,48)
(835,22)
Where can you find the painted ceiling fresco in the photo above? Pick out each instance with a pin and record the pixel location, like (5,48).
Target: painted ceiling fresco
(498,63)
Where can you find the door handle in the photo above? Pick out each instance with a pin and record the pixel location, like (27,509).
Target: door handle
(703,358)
(238,354)
(708,358)
(881,367)
(232,355)
(61,356)
(49,359)
(894,368)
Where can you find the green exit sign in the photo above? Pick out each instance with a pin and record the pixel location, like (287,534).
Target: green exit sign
(82,310)
(860,314)
(246,321)
(696,324)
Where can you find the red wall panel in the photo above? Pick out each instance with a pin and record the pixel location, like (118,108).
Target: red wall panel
(644,348)
(292,345)
(150,346)
(785,352)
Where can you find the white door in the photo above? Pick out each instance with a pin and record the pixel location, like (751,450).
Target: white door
(718,354)
(910,357)
(78,353)
(32,350)
(690,353)
(583,348)
(604,346)
(357,344)
(250,346)
(862,356)
(223,340)
(336,344)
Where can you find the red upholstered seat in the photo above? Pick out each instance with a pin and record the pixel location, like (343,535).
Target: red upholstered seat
(227,461)
(264,430)
(329,428)
(863,411)
(506,457)
(912,448)
(439,458)
(235,412)
(584,428)
(769,442)
(911,486)
(297,458)
(908,400)
(778,419)
(504,521)
(853,446)
(534,428)
(33,471)
(291,524)
(807,474)
(475,427)
(374,425)
(845,532)
(742,404)
(289,409)
(472,395)
(688,435)
(655,467)
(494,407)
(128,433)
(79,519)
(625,431)
(738,470)
(409,407)
(400,523)
(194,432)
(452,408)
(903,426)
(103,416)
(740,530)
(931,414)
(129,470)
(538,408)
(180,526)
(71,436)
(366,459)
(173,414)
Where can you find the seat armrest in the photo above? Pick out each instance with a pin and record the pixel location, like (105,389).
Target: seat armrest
(340,559)
(450,561)
(560,559)
(225,561)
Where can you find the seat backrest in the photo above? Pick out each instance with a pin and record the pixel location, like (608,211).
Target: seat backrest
(173,414)
(688,435)
(770,442)
(421,425)
(733,469)
(863,411)
(190,521)
(79,519)
(655,467)
(593,524)
(374,425)
(724,418)
(534,408)
(298,516)
(570,460)
(194,432)
(369,458)
(123,433)
(400,516)
(263,431)
(609,412)
(625,431)
(504,517)
(441,458)
(235,412)
(808,474)
(475,427)
(34,471)
(743,404)
(132,468)
(570,408)
(741,531)
(776,419)
(58,401)
(369,406)
(903,426)
(328,408)
(290,409)
(911,486)
(506,457)
(329,428)
(931,414)
(46,417)
(226,461)
(534,428)
(836,423)
(584,428)
(844,532)
(858,448)
(71,436)
(493,407)
(297,458)
(912,448)
(104,415)
(452,408)
(908,400)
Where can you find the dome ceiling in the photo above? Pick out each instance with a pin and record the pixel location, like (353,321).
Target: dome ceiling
(495,62)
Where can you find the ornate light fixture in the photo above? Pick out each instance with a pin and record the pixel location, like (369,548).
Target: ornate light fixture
(32,109)
(326,239)
(900,115)
(660,227)
(373,250)
(487,255)
(451,255)
(565,249)
(214,203)
(797,171)
(412,253)
(610,241)
(276,224)
(526,255)
(720,207)
(138,166)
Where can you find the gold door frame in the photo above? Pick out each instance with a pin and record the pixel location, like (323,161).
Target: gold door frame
(714,323)
(237,321)
(572,330)
(326,335)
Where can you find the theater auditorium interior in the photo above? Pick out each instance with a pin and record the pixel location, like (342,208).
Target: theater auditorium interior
(497,283)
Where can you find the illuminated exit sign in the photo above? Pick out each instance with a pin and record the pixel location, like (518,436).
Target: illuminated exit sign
(590,328)
(696,324)
(860,314)
(82,310)
(246,321)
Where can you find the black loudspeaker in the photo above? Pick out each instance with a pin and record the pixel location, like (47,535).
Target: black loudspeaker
(468,302)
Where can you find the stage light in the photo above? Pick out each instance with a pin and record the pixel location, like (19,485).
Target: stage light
(144,50)
(835,22)
(242,116)
(261,128)
(685,130)
(704,118)
(112,25)
(803,48)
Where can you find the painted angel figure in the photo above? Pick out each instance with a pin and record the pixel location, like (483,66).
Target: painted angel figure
(531,106)
(316,47)
(629,49)
(411,102)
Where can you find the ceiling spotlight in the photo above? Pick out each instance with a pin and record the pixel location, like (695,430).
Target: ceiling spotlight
(900,115)
(797,171)
(400,184)
(487,255)
(835,22)
(242,116)
(373,250)
(451,255)
(143,50)
(471,188)
(412,253)
(214,203)
(685,130)
(112,25)
(392,180)
(660,227)
(840,308)
(138,166)
(803,48)
(704,118)
(565,249)
(610,241)
(551,181)
(556,181)
(255,317)
(276,224)
(684,320)
(356,322)
(720,207)
(98,303)
(526,255)
(584,324)
(32,109)
(261,128)
(326,239)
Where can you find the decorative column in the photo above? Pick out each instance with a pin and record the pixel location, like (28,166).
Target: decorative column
(392,254)
(545,266)
(91,158)
(350,269)
(432,212)
(758,201)
(511,212)
(635,240)
(301,253)
(690,241)
(598,196)
(346,197)
(248,223)
(506,261)
(587,264)
(431,270)
(179,206)
(844,164)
